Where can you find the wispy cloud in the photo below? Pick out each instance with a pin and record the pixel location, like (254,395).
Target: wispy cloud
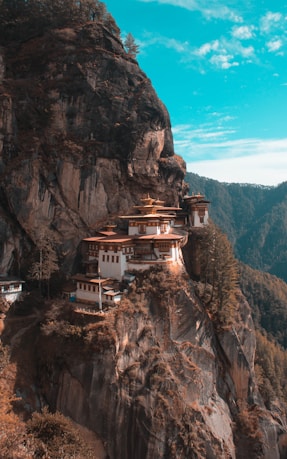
(212,152)
(260,169)
(223,53)
(167,42)
(216,9)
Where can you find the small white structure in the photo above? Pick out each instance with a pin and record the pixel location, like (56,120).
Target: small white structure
(197,210)
(10,289)
(112,297)
(88,289)
(96,291)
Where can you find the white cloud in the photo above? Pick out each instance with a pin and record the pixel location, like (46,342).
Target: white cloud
(223,61)
(189,135)
(211,153)
(170,43)
(225,53)
(274,45)
(243,32)
(261,169)
(216,9)
(206,48)
(271,21)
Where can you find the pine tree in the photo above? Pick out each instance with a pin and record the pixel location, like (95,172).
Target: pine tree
(130,46)
(219,273)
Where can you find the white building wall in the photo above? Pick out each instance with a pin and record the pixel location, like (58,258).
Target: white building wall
(153,229)
(11,297)
(109,267)
(175,253)
(166,229)
(196,219)
(148,230)
(86,295)
(133,230)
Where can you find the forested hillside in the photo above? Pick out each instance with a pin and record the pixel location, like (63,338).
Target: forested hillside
(254,219)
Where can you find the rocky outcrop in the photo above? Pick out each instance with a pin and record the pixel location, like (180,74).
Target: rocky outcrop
(154,379)
(82,136)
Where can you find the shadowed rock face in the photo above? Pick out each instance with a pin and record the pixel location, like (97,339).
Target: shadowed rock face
(82,136)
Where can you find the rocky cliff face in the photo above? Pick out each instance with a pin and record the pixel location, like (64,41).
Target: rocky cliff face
(82,136)
(154,378)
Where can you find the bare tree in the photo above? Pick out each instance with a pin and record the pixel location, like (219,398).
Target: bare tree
(47,260)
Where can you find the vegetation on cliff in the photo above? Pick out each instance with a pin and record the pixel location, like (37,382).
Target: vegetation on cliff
(21,20)
(218,274)
(267,296)
(254,219)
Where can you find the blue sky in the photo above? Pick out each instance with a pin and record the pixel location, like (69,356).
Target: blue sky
(220,67)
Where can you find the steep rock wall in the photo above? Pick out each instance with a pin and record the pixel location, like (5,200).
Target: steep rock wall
(82,136)
(154,379)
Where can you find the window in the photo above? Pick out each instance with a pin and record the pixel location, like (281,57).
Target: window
(142,229)
(113,258)
(117,259)
(164,247)
(94,288)
(108,258)
(104,258)
(80,286)
(85,287)
(89,288)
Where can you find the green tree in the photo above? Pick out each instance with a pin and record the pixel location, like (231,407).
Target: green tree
(219,274)
(130,46)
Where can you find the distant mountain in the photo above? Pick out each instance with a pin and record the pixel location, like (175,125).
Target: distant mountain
(254,219)
(267,297)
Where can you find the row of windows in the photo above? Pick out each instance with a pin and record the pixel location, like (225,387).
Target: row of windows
(114,258)
(10,288)
(128,250)
(90,288)
(93,246)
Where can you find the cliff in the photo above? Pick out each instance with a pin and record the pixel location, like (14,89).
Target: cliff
(82,136)
(153,378)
